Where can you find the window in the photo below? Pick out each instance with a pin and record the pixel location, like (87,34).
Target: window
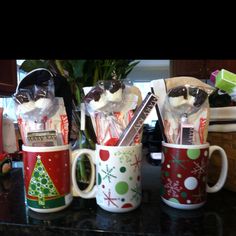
(7,102)
(146,71)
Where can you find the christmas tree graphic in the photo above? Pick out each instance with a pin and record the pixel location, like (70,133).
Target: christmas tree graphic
(41,184)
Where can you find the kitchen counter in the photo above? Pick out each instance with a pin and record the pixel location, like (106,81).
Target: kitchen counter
(84,217)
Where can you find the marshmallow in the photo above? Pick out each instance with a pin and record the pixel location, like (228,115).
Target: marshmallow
(43,103)
(96,105)
(114,97)
(26,107)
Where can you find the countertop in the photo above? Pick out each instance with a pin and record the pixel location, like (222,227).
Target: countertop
(84,217)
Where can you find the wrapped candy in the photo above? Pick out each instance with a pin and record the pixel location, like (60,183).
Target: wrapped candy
(186,115)
(111,105)
(40,114)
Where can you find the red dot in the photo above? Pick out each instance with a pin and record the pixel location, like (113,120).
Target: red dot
(127,205)
(103,186)
(104,155)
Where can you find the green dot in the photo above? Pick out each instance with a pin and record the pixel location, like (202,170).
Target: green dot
(36,174)
(183,194)
(193,153)
(38,184)
(33,186)
(122,187)
(40,168)
(167,174)
(51,186)
(43,181)
(122,169)
(164,149)
(130,178)
(46,191)
(174,200)
(99,179)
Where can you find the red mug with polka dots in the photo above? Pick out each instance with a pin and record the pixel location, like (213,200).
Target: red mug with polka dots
(118,177)
(184,174)
(47,177)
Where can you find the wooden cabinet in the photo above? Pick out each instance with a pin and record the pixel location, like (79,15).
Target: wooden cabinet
(195,68)
(8,77)
(200,69)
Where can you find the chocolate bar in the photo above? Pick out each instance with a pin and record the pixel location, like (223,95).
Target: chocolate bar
(44,138)
(137,121)
(187,132)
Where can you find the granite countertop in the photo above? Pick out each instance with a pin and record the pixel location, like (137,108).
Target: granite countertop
(84,217)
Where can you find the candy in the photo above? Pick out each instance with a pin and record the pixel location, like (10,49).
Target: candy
(43,103)
(113,90)
(22,96)
(188,96)
(96,99)
(199,96)
(26,107)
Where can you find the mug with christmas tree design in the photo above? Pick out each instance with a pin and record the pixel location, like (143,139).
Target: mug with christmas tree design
(184,170)
(47,177)
(118,177)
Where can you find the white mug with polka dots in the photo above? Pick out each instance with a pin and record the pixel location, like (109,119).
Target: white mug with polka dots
(118,177)
(184,171)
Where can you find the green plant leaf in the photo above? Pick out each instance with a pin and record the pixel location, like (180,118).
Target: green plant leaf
(77,66)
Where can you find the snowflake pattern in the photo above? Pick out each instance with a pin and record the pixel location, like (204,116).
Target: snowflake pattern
(109,199)
(108,173)
(199,168)
(137,163)
(177,161)
(136,193)
(125,156)
(173,188)
(198,197)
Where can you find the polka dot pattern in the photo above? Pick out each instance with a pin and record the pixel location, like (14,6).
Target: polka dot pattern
(193,153)
(190,183)
(183,174)
(122,187)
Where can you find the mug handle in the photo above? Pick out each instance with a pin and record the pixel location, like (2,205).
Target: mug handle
(223,172)
(90,191)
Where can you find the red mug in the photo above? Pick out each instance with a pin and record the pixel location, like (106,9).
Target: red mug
(47,177)
(184,172)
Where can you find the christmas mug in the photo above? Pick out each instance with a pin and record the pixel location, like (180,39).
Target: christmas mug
(47,177)
(118,177)
(184,172)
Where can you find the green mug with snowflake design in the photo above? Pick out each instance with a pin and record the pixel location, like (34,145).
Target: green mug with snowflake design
(118,177)
(47,177)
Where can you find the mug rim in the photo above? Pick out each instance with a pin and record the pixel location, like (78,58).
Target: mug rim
(183,146)
(45,149)
(118,147)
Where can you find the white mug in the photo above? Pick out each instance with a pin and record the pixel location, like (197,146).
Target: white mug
(118,176)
